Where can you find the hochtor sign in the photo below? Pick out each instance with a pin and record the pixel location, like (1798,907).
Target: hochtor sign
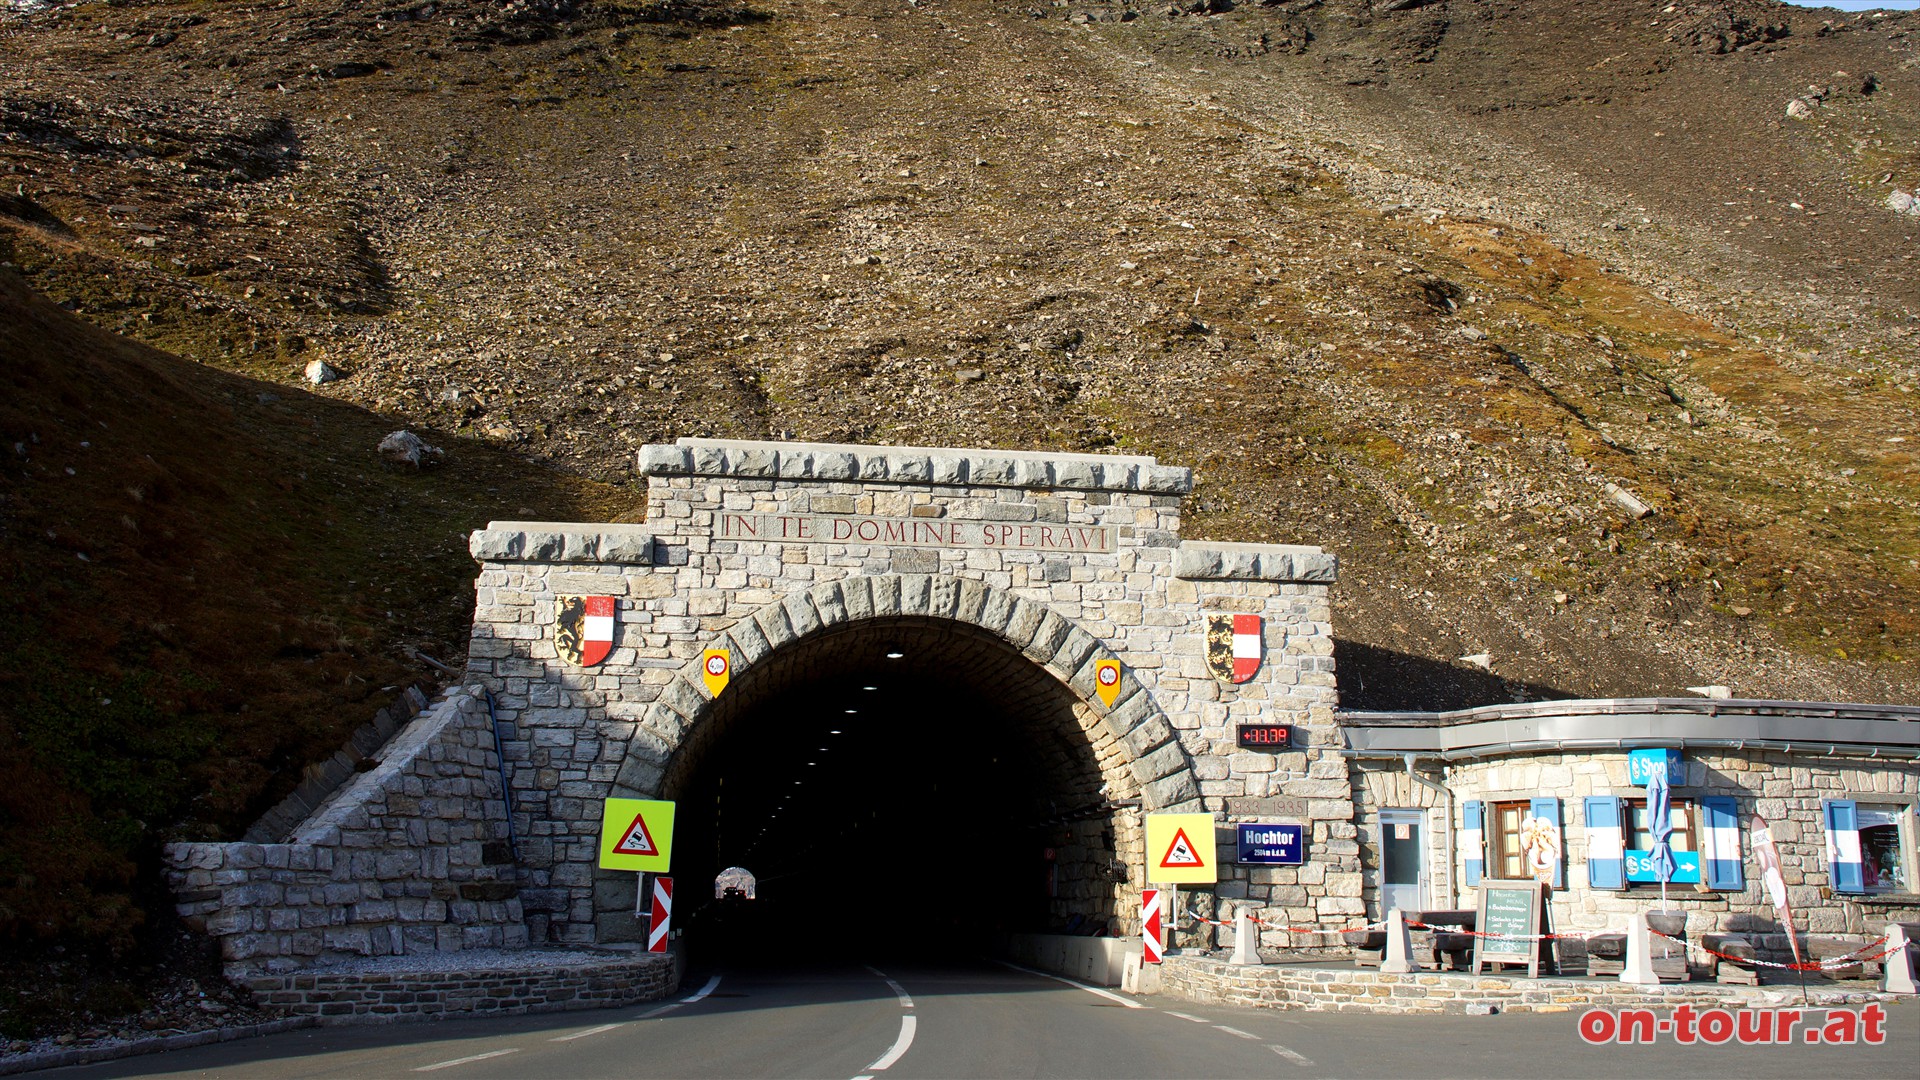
(912,532)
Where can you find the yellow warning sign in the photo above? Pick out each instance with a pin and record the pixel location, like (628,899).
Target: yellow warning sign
(1106,681)
(636,834)
(1180,849)
(716,667)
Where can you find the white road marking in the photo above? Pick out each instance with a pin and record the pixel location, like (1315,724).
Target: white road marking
(1236,1031)
(466,1060)
(899,1048)
(702,992)
(661,1011)
(589,1031)
(1184,1016)
(1072,982)
(1291,1055)
(908,1025)
(906,999)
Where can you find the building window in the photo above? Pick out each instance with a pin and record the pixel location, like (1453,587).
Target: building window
(1682,843)
(1870,846)
(1883,858)
(1504,853)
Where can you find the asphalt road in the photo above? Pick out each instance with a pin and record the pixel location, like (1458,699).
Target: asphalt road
(988,1020)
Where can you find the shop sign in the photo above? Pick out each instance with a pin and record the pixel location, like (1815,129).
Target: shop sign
(1642,763)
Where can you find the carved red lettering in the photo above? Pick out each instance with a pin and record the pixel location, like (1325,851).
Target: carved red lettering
(868,530)
(841,529)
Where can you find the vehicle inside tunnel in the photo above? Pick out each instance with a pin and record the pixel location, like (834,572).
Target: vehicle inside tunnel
(900,787)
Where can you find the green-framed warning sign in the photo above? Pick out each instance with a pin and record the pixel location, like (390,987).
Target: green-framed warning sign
(636,834)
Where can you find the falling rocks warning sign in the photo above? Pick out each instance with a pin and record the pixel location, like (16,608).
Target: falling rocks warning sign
(636,834)
(1180,849)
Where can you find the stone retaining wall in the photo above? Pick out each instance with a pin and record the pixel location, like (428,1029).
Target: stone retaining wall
(1202,979)
(411,857)
(384,996)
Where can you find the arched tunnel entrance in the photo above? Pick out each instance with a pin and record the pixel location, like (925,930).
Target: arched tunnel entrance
(901,785)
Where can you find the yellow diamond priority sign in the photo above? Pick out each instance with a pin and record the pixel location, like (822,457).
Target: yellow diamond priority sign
(1180,849)
(636,834)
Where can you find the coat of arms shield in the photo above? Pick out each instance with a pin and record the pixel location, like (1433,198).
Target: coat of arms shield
(583,628)
(1233,647)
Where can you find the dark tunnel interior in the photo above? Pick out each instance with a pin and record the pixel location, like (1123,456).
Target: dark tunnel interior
(906,787)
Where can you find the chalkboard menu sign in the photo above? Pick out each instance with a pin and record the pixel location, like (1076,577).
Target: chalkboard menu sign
(1512,913)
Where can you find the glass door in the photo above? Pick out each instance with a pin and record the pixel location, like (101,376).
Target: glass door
(1403,860)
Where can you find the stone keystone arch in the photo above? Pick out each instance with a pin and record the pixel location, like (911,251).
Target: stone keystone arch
(1159,764)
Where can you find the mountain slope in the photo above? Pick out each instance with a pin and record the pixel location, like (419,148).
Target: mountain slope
(1424,283)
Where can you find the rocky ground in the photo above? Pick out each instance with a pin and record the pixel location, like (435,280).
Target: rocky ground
(1584,334)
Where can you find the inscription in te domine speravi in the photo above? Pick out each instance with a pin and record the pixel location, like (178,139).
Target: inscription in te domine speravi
(912,532)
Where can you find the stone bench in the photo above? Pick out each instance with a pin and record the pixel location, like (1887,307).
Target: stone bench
(1739,970)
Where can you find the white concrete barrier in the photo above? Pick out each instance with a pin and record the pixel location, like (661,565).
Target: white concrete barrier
(1098,961)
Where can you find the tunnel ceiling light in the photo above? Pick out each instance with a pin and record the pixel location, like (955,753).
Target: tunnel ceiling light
(835,731)
(895,655)
(853,712)
(869,688)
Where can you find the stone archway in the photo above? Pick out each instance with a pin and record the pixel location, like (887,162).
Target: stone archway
(1156,760)
(1086,770)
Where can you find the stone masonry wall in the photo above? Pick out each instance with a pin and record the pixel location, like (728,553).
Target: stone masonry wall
(411,857)
(580,735)
(1200,979)
(359,997)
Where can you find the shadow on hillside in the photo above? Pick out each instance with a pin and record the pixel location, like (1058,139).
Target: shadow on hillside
(1372,677)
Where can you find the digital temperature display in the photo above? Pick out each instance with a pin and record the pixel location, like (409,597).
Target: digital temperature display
(1265,736)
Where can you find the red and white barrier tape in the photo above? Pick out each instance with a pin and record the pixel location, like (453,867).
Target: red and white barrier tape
(1832,963)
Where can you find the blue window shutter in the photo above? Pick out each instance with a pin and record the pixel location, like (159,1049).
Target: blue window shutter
(1548,807)
(1606,861)
(1843,845)
(1720,843)
(1473,840)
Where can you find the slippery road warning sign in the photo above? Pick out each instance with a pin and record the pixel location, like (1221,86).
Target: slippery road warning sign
(636,834)
(1180,849)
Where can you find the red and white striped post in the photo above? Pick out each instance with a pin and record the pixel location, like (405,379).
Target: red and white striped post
(1152,932)
(662,914)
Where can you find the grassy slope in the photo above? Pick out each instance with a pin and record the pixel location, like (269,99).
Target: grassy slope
(208,582)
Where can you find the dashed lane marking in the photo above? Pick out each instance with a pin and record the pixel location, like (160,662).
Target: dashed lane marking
(1073,982)
(1184,1016)
(701,993)
(899,1048)
(906,999)
(589,1031)
(1236,1031)
(467,1060)
(1291,1055)
(908,1025)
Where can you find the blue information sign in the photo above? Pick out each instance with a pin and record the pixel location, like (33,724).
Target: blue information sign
(1641,765)
(1272,843)
(1686,867)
